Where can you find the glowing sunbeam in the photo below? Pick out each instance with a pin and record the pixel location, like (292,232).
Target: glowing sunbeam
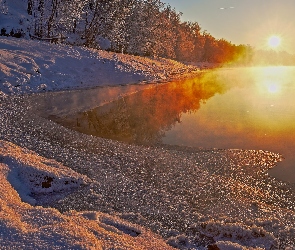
(274,41)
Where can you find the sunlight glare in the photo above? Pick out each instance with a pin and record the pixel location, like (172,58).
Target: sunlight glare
(272,79)
(273,87)
(274,41)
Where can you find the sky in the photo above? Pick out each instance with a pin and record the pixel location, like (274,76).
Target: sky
(250,22)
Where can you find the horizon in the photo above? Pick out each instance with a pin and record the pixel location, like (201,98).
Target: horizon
(243,22)
(203,46)
(123,126)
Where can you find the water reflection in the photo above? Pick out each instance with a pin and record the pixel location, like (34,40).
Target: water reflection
(145,116)
(245,108)
(258,112)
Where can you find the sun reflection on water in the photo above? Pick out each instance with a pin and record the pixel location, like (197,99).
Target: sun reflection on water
(272,79)
(243,108)
(273,87)
(257,112)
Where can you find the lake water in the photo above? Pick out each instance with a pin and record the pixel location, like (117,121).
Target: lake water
(243,108)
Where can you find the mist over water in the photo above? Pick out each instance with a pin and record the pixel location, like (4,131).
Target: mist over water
(242,108)
(256,112)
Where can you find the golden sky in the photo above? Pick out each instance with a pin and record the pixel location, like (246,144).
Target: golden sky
(250,22)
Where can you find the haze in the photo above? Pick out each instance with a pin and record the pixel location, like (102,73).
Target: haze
(243,22)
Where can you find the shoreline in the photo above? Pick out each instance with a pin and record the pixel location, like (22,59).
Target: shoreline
(188,196)
(127,167)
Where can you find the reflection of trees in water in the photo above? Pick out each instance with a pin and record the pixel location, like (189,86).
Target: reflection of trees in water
(144,117)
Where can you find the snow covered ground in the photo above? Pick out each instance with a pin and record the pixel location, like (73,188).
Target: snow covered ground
(28,66)
(66,190)
(63,190)
(24,226)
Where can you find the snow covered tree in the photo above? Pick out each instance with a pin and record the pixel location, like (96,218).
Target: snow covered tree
(119,30)
(30,7)
(53,17)
(185,42)
(209,49)
(139,27)
(165,33)
(198,41)
(100,16)
(142,23)
(150,28)
(70,14)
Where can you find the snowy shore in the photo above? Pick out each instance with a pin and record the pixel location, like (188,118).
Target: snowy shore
(67,190)
(31,66)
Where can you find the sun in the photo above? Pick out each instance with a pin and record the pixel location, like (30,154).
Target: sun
(274,41)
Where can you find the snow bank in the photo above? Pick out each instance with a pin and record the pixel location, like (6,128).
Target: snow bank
(28,66)
(238,206)
(23,226)
(30,176)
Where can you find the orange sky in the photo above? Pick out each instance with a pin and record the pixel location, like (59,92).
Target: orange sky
(243,22)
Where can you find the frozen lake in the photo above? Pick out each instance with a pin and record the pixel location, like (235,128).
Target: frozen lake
(244,108)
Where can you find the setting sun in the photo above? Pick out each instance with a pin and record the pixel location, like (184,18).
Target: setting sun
(274,41)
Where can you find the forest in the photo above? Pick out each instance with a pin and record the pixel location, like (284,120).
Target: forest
(137,27)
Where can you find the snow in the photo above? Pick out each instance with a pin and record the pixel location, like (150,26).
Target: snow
(13,17)
(191,197)
(24,226)
(64,190)
(98,193)
(32,66)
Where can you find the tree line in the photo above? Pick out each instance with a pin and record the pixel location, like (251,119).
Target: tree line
(137,27)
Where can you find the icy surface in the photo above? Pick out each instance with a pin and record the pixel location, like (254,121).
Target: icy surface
(26,227)
(81,185)
(191,197)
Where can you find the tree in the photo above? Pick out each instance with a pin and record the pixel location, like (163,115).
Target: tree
(53,17)
(199,41)
(139,27)
(30,7)
(209,49)
(185,43)
(141,32)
